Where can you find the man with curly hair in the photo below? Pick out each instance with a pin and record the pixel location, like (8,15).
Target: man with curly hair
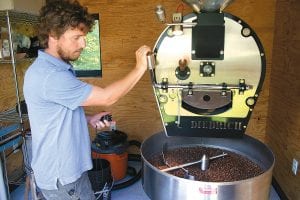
(61,149)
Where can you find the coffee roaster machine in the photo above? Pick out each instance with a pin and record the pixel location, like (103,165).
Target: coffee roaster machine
(207,71)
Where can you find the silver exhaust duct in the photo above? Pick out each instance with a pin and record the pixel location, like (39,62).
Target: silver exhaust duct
(207,5)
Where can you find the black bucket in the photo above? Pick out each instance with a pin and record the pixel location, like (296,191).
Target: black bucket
(101,179)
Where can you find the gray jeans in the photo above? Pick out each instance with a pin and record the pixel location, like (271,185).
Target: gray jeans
(80,189)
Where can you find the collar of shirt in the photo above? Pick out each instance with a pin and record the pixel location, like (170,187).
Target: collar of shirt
(55,61)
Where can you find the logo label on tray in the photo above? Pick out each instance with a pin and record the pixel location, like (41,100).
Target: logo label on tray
(234,125)
(209,192)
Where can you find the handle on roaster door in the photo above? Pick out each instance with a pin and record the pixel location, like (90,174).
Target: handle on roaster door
(150,60)
(151,64)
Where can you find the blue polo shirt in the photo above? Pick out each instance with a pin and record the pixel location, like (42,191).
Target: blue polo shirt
(61,148)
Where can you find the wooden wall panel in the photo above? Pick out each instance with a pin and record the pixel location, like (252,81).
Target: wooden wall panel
(283,127)
(7,84)
(127,24)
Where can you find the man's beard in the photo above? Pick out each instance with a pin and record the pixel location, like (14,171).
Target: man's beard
(63,55)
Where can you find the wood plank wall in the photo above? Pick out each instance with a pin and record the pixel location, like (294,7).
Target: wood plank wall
(127,24)
(283,125)
(8,98)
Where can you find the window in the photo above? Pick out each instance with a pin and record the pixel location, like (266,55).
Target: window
(89,62)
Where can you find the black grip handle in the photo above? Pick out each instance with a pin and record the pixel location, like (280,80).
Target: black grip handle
(107,117)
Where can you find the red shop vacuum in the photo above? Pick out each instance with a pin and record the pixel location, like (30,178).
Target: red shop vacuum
(112,146)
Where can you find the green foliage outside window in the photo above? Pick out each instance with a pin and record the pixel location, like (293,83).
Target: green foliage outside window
(89,62)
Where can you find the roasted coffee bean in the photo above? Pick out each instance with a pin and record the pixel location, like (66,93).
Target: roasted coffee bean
(233,167)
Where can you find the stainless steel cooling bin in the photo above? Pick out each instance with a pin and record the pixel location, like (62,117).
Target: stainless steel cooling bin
(163,186)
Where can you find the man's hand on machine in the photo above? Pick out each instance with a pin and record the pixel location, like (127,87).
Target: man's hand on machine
(99,120)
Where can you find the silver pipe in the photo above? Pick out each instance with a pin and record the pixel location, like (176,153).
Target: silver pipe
(4,190)
(13,62)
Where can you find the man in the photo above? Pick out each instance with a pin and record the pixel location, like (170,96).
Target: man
(61,151)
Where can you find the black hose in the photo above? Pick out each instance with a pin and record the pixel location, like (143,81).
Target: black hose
(131,157)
